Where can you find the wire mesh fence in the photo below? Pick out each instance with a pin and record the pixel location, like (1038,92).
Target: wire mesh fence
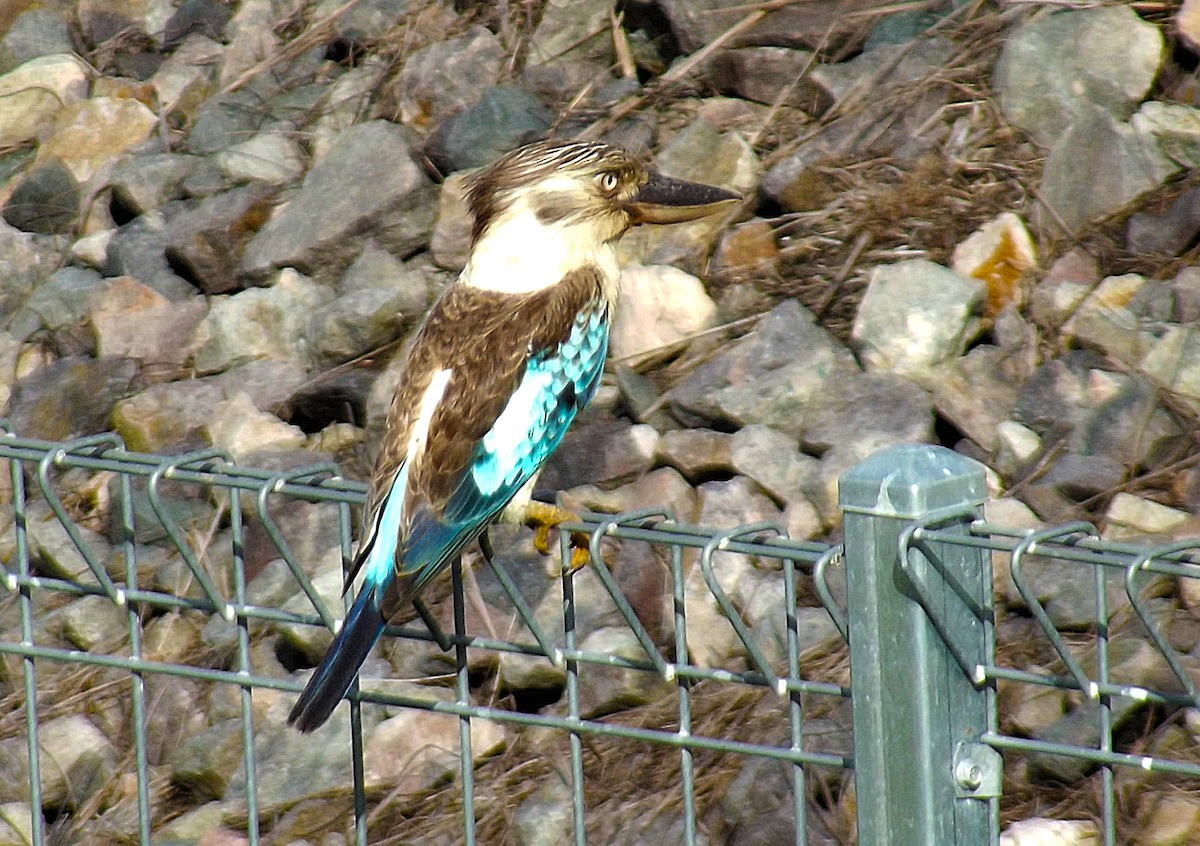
(692,685)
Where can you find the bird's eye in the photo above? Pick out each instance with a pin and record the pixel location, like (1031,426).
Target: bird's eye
(608,181)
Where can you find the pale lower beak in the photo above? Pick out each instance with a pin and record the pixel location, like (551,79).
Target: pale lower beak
(666,200)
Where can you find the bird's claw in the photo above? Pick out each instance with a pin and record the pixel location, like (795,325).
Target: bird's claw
(542,517)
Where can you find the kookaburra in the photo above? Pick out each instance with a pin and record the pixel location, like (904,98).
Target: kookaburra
(502,364)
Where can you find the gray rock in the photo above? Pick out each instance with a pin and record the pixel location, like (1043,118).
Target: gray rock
(187,78)
(204,243)
(207,17)
(544,817)
(1082,476)
(1052,401)
(70,398)
(599,452)
(773,460)
(1174,362)
(504,118)
(865,413)
(816,25)
(260,323)
(764,74)
(273,157)
(77,761)
(365,20)
(765,377)
(131,320)
(1054,69)
(451,238)
(662,488)
(225,120)
(205,762)
(142,183)
(1175,127)
(447,76)
(171,417)
(1097,166)
(605,689)
(94,624)
(55,553)
(1132,517)
(138,249)
(64,299)
(366,183)
(24,261)
(1168,233)
(46,201)
(33,33)
(976,392)
(1129,426)
(916,315)
(697,453)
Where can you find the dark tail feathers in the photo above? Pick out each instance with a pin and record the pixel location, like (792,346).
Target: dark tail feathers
(337,669)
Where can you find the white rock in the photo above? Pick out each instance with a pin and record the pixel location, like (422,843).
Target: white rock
(659,306)
(239,428)
(1016,446)
(1043,832)
(32,95)
(270,157)
(1130,516)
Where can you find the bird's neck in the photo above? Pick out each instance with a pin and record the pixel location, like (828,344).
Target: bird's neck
(520,255)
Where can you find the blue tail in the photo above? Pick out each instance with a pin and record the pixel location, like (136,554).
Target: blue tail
(330,681)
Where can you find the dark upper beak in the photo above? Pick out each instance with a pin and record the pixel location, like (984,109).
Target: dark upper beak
(666,200)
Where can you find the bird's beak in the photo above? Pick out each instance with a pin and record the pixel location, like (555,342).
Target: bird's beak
(666,200)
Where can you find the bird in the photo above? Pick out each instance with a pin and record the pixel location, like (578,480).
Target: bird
(503,362)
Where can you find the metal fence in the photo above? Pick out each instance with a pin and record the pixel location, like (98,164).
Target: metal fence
(773,737)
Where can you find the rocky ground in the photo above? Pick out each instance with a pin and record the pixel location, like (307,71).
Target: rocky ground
(967,223)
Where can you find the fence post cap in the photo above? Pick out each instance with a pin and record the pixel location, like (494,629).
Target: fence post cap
(912,481)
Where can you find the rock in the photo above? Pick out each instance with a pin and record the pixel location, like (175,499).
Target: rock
(663,488)
(765,74)
(367,182)
(131,320)
(1174,362)
(999,253)
(70,398)
(1032,709)
(34,33)
(446,76)
(171,417)
(1064,287)
(698,153)
(414,750)
(767,376)
(273,157)
(746,248)
(94,624)
(1174,820)
(260,323)
(1096,167)
(1130,517)
(64,299)
(77,761)
(1169,233)
(34,94)
(867,412)
(599,452)
(204,763)
(451,237)
(194,824)
(142,183)
(544,817)
(17,818)
(1175,127)
(56,555)
(1038,831)
(1127,424)
(204,243)
(46,201)
(818,24)
(89,134)
(696,453)
(1187,23)
(605,689)
(240,429)
(1017,447)
(1056,69)
(366,20)
(914,316)
(1053,401)
(504,118)
(225,120)
(186,80)
(659,306)
(976,392)
(772,459)
(138,249)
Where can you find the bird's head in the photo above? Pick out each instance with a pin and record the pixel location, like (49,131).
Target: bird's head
(595,189)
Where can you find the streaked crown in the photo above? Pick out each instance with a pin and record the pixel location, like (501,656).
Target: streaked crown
(561,183)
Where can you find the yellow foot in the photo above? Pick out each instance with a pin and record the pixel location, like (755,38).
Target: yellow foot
(543,517)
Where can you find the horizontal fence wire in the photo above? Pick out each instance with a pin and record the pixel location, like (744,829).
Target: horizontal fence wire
(83,521)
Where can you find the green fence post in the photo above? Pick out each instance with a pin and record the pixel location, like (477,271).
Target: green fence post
(921,777)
